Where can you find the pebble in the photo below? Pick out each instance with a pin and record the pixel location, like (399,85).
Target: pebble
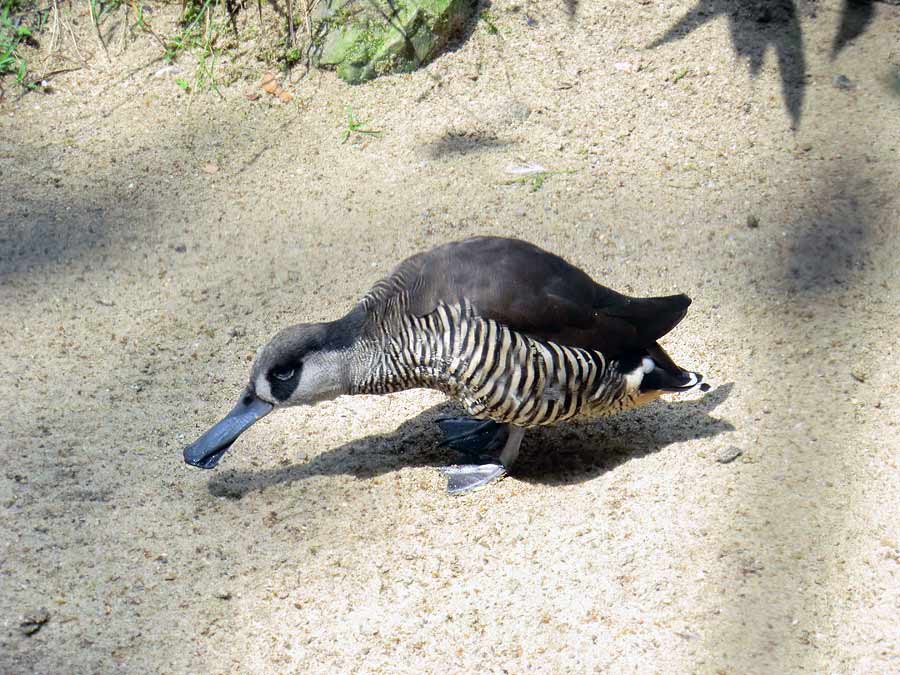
(729,454)
(31,623)
(167,70)
(843,82)
(752,221)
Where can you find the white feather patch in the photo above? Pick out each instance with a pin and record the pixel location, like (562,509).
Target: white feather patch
(694,380)
(634,378)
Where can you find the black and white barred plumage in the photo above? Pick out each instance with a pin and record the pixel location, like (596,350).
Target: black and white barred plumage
(493,371)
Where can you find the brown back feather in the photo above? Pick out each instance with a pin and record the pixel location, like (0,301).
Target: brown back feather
(538,293)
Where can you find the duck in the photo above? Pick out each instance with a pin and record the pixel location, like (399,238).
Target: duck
(518,336)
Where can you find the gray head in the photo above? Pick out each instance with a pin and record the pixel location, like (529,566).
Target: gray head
(301,365)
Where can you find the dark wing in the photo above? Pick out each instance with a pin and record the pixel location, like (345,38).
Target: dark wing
(537,293)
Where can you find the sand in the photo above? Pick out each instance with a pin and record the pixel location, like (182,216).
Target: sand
(150,241)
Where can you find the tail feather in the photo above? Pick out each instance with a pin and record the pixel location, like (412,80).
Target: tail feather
(652,317)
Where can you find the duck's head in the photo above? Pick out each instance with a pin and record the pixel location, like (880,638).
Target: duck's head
(301,365)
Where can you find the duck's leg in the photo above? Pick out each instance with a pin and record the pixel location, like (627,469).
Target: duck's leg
(471,477)
(472,436)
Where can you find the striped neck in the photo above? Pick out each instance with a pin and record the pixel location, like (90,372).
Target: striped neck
(396,351)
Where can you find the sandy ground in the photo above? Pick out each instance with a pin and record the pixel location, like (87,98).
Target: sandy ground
(150,243)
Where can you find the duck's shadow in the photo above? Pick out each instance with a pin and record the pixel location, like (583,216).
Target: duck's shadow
(569,453)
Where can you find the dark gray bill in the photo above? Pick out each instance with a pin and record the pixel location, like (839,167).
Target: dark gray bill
(207,450)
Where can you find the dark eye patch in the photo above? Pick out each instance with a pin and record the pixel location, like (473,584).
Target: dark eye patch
(283,380)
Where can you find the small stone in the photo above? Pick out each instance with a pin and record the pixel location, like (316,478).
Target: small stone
(843,82)
(180,248)
(210,167)
(32,622)
(752,221)
(858,375)
(223,595)
(729,454)
(166,70)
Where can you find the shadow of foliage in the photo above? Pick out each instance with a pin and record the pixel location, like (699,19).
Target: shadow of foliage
(757,25)
(855,19)
(830,246)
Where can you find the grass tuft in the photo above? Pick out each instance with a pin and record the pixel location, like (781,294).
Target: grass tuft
(205,31)
(356,126)
(14,33)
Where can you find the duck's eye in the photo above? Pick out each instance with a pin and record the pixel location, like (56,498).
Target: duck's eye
(283,375)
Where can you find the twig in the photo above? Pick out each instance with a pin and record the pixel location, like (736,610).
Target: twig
(95,21)
(58,71)
(68,27)
(54,29)
(125,27)
(146,27)
(309,5)
(290,8)
(311,39)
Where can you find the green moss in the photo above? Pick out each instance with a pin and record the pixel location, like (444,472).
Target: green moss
(361,40)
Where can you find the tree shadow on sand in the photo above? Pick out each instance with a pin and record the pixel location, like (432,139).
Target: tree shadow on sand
(757,25)
(855,19)
(570,453)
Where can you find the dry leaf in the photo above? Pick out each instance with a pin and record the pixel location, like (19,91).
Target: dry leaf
(270,85)
(251,95)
